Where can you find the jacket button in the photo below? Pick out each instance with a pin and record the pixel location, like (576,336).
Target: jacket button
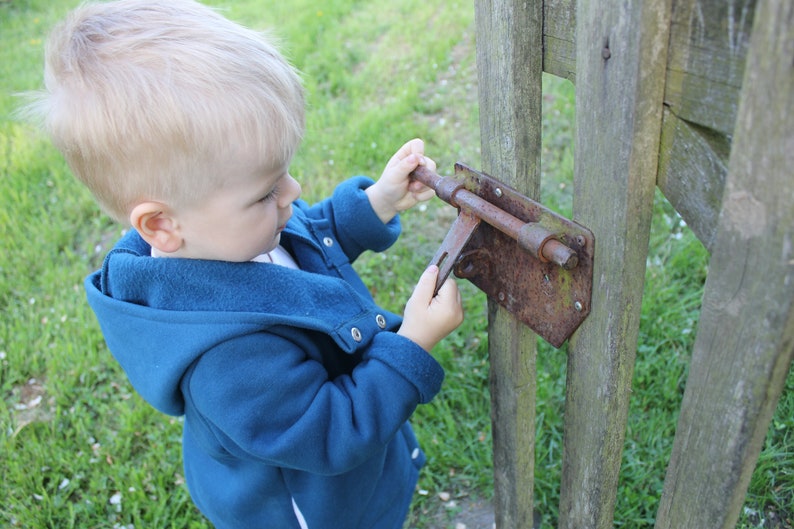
(356,334)
(328,241)
(381,321)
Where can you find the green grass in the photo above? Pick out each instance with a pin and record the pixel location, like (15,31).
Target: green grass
(80,449)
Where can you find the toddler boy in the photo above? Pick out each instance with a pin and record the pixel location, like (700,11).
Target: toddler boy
(232,302)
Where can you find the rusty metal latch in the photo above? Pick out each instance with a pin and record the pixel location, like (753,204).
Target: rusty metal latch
(532,261)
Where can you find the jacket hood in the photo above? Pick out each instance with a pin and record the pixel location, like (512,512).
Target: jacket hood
(139,302)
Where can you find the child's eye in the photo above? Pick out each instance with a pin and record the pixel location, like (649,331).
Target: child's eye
(270,196)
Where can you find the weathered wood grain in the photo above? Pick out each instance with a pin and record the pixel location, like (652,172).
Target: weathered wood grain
(559,38)
(692,165)
(509,68)
(708,47)
(745,342)
(621,55)
(706,59)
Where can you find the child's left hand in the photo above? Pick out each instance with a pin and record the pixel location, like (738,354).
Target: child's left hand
(394,191)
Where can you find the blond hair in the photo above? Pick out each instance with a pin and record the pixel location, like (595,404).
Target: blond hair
(150,100)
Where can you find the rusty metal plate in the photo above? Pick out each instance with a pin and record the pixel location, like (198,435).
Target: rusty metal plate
(551,300)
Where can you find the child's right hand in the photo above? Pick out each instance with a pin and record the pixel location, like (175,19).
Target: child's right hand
(428,319)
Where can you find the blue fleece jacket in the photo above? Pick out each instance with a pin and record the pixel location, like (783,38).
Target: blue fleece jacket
(293,384)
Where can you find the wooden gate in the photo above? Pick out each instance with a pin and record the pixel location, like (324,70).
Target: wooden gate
(695,97)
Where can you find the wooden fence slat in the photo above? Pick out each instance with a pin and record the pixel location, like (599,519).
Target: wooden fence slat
(707,52)
(621,56)
(559,42)
(745,342)
(509,66)
(708,46)
(692,168)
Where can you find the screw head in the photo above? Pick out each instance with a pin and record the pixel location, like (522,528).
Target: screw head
(578,306)
(498,191)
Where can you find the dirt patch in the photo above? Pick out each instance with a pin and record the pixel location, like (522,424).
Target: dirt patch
(32,404)
(462,513)
(470,512)
(474,515)
(769,519)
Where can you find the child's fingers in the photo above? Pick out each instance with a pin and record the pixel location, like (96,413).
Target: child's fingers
(449,298)
(449,293)
(415,146)
(427,284)
(398,173)
(424,195)
(410,162)
(448,289)
(420,191)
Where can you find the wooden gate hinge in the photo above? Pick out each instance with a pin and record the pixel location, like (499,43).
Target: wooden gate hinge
(535,263)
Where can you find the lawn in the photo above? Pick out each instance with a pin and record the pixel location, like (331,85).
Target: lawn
(81,449)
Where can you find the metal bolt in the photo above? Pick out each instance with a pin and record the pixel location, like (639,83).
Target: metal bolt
(501,296)
(580,240)
(578,306)
(498,191)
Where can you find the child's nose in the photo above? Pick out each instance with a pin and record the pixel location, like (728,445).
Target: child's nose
(293,191)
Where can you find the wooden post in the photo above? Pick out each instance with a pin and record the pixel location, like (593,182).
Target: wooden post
(745,342)
(621,51)
(509,65)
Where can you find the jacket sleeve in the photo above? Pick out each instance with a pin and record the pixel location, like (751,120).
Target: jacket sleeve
(262,397)
(355,223)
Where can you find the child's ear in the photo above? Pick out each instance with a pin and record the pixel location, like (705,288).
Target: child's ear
(157,225)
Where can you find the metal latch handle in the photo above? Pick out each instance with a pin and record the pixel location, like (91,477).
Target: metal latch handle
(531,236)
(532,261)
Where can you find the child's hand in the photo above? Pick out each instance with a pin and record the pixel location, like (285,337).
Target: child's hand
(394,191)
(428,319)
